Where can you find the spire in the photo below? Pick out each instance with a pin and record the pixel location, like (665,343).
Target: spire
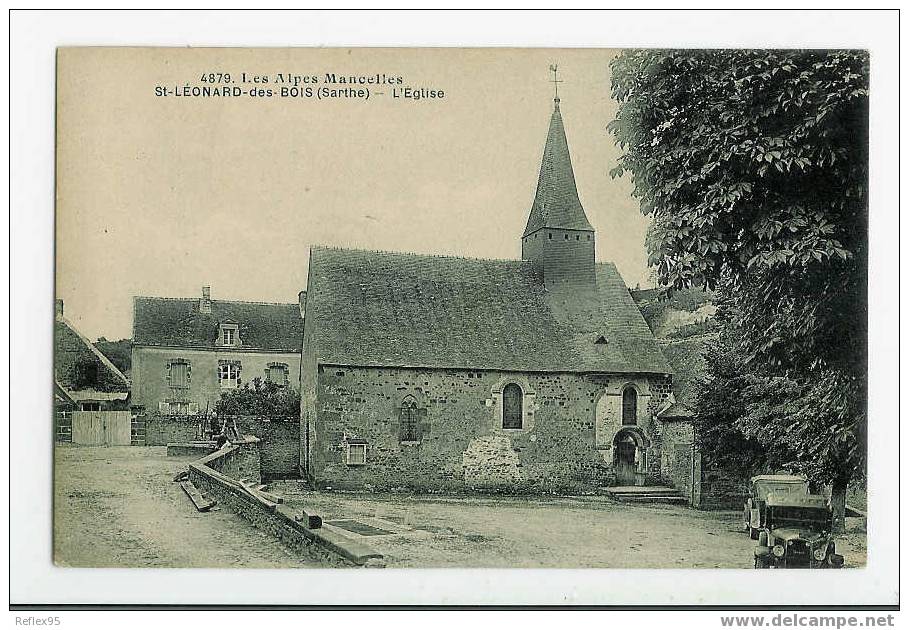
(556,204)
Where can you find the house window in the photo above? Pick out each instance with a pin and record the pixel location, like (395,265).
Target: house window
(410,421)
(90,406)
(629,406)
(356,453)
(277,374)
(512,407)
(229,334)
(179,374)
(229,374)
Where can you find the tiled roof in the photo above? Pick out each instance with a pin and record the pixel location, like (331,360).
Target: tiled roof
(178,322)
(556,204)
(391,309)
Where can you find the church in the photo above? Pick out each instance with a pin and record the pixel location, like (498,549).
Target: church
(448,374)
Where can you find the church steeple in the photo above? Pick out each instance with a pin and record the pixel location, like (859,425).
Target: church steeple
(556,203)
(559,239)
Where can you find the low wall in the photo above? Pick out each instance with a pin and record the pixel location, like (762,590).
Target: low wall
(161,430)
(280,447)
(722,490)
(217,475)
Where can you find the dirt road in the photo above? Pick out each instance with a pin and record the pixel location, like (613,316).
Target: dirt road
(118,507)
(553,532)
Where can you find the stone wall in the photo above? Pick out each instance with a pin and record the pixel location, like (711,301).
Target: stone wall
(218,477)
(161,430)
(63,425)
(137,435)
(677,453)
(280,438)
(463,445)
(279,447)
(722,490)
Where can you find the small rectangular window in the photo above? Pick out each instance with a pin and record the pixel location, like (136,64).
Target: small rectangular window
(91,406)
(229,336)
(356,454)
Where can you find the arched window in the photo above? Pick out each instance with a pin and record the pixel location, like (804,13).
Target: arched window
(512,407)
(629,406)
(410,421)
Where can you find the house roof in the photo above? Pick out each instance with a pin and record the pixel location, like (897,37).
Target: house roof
(392,309)
(72,350)
(177,322)
(556,203)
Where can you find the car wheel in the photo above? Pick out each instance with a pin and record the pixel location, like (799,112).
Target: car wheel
(759,563)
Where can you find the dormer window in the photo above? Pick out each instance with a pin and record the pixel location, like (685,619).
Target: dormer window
(229,334)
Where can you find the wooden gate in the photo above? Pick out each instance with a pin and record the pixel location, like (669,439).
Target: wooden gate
(101,428)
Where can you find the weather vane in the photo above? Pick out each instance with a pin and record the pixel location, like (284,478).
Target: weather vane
(554,68)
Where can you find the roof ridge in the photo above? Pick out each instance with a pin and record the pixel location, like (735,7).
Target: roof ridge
(415,254)
(195,299)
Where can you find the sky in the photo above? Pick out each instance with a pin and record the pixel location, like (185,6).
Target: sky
(162,195)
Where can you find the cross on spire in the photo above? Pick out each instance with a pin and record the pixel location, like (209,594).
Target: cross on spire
(555,80)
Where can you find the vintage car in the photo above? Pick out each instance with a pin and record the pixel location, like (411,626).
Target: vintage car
(797,534)
(759,488)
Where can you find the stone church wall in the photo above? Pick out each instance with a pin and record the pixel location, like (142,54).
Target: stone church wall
(462,445)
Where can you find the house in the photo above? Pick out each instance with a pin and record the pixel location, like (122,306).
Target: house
(84,379)
(440,373)
(186,351)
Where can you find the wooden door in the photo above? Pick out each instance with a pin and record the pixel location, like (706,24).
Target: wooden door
(624,464)
(117,428)
(101,428)
(88,428)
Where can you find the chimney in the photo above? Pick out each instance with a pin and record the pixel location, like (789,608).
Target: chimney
(302,297)
(58,308)
(205,303)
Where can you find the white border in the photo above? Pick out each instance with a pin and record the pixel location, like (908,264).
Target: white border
(34,37)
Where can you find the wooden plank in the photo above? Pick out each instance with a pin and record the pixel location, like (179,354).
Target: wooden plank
(202,504)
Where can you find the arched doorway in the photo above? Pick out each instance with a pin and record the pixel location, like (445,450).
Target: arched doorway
(629,458)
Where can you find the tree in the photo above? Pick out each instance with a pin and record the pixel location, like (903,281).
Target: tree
(753,168)
(118,352)
(263,399)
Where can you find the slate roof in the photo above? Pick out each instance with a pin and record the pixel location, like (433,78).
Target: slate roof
(177,322)
(72,351)
(556,203)
(373,308)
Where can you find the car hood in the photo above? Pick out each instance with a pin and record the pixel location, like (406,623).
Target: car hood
(799,533)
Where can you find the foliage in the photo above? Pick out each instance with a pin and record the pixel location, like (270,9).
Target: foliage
(721,402)
(263,399)
(117,352)
(753,168)
(694,329)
